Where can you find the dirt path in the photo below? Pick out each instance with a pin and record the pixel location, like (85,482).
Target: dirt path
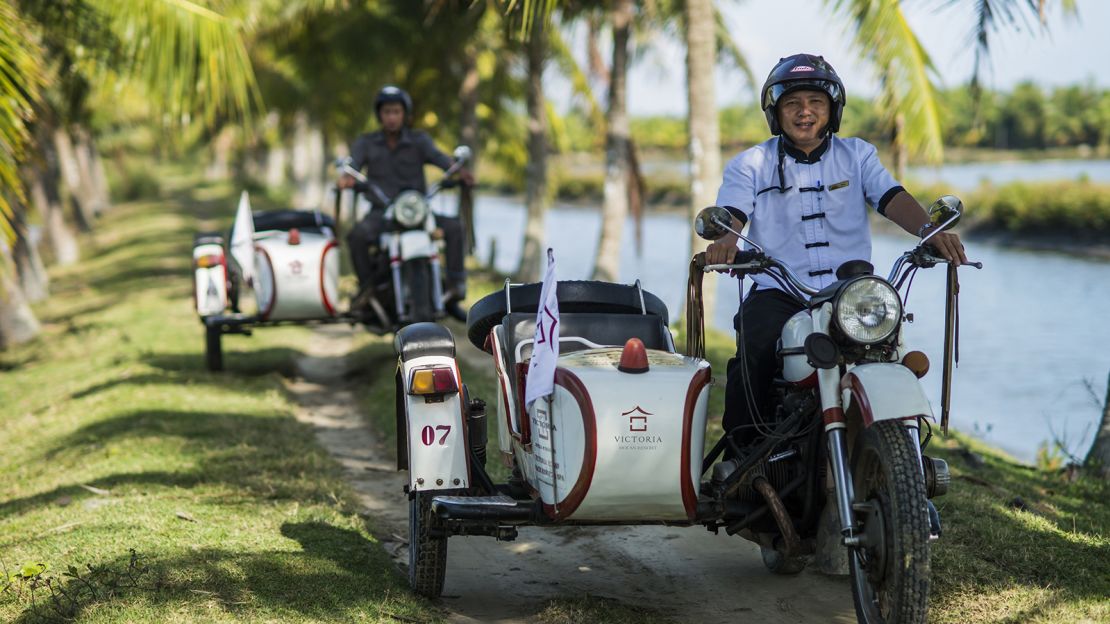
(687,574)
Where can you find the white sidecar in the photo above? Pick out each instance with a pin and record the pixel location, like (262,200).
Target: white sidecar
(289,258)
(620,441)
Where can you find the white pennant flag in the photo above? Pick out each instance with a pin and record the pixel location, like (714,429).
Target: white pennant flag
(545,348)
(242,238)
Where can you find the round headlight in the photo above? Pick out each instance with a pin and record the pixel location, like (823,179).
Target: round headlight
(410,209)
(868,310)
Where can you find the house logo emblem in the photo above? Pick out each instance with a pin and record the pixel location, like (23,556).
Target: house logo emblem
(637,438)
(637,419)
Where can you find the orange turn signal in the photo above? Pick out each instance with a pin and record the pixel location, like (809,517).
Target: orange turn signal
(439,380)
(917,362)
(209,260)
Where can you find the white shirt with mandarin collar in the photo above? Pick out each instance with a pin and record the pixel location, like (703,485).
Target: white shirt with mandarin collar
(820,221)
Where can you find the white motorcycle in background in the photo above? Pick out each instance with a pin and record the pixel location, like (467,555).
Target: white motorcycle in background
(622,438)
(411,290)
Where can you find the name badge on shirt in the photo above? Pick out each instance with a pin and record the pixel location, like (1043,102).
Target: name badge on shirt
(838,185)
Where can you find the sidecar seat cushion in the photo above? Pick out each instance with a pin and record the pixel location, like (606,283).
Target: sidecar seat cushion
(574,296)
(609,330)
(420,339)
(285,220)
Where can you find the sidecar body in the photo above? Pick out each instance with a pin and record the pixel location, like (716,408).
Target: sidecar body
(614,443)
(288,258)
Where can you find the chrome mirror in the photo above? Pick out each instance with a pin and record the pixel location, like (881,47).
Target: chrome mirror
(712,223)
(945,212)
(462,154)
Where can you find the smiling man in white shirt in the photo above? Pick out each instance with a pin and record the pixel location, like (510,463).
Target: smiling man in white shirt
(805,192)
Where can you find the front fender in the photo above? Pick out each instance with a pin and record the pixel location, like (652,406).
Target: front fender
(884,392)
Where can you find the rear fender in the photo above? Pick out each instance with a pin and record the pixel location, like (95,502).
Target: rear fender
(431,437)
(884,392)
(210,277)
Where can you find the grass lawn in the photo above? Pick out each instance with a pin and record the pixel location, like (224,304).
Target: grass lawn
(116,440)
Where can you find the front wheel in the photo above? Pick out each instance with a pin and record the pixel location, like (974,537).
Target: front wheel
(427,547)
(417,275)
(890,569)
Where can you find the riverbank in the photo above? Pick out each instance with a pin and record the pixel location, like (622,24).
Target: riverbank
(116,437)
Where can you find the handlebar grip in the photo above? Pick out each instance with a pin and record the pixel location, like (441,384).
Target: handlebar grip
(699,259)
(745,256)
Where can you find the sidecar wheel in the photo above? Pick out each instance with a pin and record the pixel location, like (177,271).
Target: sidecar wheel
(890,571)
(427,548)
(779,563)
(213,350)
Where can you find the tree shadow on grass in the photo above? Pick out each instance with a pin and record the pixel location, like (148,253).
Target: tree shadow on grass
(265,456)
(254,362)
(339,576)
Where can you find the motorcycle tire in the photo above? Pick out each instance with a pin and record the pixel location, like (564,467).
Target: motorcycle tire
(417,277)
(890,570)
(213,350)
(427,547)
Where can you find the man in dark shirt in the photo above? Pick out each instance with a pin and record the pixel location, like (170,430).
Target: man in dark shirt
(393,159)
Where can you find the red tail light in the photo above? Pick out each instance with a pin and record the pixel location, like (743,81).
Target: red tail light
(438,380)
(294,236)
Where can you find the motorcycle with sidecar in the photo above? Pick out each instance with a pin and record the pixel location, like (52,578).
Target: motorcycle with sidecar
(622,438)
(290,259)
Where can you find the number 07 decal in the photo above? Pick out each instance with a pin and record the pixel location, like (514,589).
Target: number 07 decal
(428,434)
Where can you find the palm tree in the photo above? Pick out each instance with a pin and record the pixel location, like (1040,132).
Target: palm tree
(190,59)
(536,171)
(617,149)
(703,125)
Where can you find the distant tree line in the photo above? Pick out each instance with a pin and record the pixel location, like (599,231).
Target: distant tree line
(1028,117)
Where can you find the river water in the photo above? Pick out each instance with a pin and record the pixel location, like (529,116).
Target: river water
(1034,346)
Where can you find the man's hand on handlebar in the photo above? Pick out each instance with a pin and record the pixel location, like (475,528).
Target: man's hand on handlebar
(949,246)
(346,182)
(467,177)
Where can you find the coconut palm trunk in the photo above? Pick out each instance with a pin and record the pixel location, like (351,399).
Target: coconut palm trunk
(40,181)
(531,261)
(615,208)
(80,194)
(704,146)
(17,322)
(1098,457)
(30,271)
(468,135)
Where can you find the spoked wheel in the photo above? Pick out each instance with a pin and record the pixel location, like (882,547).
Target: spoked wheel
(427,547)
(213,350)
(890,570)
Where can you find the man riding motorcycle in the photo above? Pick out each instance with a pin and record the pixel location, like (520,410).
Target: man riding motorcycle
(393,159)
(804,192)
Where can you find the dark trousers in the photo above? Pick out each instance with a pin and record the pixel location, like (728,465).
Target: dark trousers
(758,325)
(368,233)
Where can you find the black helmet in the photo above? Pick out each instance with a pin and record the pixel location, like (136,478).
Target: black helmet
(390,93)
(802,71)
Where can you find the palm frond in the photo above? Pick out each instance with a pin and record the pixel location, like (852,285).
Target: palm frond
(192,58)
(885,39)
(991,15)
(21,77)
(728,46)
(580,83)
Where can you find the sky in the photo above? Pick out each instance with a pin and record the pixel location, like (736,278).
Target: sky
(766,30)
